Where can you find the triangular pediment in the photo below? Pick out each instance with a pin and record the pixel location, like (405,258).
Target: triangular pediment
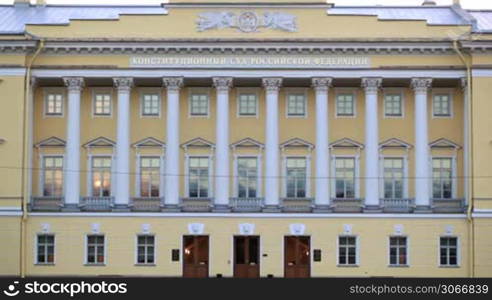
(51,142)
(395,143)
(346,143)
(198,143)
(100,142)
(444,143)
(296,143)
(149,142)
(247,143)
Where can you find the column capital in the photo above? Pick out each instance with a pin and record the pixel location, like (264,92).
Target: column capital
(123,83)
(372,84)
(272,84)
(321,84)
(421,85)
(34,81)
(172,83)
(463,83)
(74,83)
(222,84)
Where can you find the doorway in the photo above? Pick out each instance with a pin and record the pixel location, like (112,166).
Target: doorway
(247,256)
(297,256)
(195,256)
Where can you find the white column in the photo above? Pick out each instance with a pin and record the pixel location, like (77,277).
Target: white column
(322,197)
(222,85)
(122,194)
(466,145)
(72,154)
(171,199)
(371,87)
(422,173)
(272,86)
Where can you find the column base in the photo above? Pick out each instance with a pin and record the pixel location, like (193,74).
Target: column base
(422,209)
(171,208)
(271,209)
(70,207)
(374,209)
(221,208)
(320,209)
(121,208)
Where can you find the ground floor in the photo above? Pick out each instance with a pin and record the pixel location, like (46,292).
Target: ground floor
(247,245)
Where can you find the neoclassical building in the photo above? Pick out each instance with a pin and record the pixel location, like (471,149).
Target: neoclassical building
(233,139)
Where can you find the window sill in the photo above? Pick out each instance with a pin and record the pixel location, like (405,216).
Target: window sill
(44,264)
(450,267)
(94,265)
(145,265)
(348,266)
(398,266)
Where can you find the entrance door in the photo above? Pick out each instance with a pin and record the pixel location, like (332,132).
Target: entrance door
(195,256)
(246,256)
(297,256)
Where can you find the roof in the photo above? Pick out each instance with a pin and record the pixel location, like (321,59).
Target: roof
(484,20)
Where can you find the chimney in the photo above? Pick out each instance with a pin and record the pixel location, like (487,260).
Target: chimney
(22,2)
(429,3)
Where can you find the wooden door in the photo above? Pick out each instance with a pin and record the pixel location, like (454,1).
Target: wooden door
(195,256)
(297,256)
(246,256)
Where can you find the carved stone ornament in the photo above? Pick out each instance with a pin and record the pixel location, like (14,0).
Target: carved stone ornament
(172,84)
(421,85)
(246,21)
(95,228)
(372,84)
(196,228)
(272,84)
(74,83)
(123,83)
(321,84)
(246,228)
(222,84)
(297,229)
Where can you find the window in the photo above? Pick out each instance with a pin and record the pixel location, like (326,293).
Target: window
(442,178)
(448,251)
(151,105)
(54,105)
(393,105)
(198,177)
(345,178)
(393,178)
(247,172)
(296,105)
(199,105)
(247,104)
(145,249)
(398,251)
(101,176)
(52,176)
(95,249)
(347,250)
(345,105)
(45,249)
(150,177)
(441,105)
(102,104)
(296,177)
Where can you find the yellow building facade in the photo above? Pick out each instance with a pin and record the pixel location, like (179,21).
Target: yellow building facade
(236,139)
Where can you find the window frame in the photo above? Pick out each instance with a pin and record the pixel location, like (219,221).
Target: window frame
(442,91)
(150,91)
(236,174)
(356,175)
(102,91)
(91,172)
(307,160)
(394,91)
(354,93)
(209,177)
(194,91)
(146,264)
(407,246)
(36,245)
(357,251)
(86,251)
(241,91)
(454,182)
(42,157)
(138,177)
(404,159)
(296,91)
(54,91)
(458,251)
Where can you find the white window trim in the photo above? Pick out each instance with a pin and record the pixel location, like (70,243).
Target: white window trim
(454,179)
(392,91)
(405,174)
(443,91)
(357,174)
(86,246)
(98,91)
(50,91)
(258,173)
(389,248)
(296,91)
(308,173)
(89,174)
(36,236)
(458,251)
(136,250)
(354,92)
(244,90)
(210,174)
(41,175)
(147,91)
(357,251)
(199,90)
(138,173)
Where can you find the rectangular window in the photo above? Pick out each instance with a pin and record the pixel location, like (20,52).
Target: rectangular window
(145,249)
(347,250)
(345,178)
(198,184)
(151,105)
(102,104)
(441,105)
(296,105)
(247,172)
(448,251)
(199,105)
(54,105)
(398,251)
(393,105)
(101,176)
(150,176)
(46,249)
(53,176)
(95,249)
(345,105)
(247,104)
(393,178)
(296,177)
(442,178)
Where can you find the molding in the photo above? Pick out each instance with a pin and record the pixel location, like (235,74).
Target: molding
(198,142)
(394,143)
(247,143)
(51,142)
(12,71)
(99,142)
(346,143)
(149,142)
(296,143)
(444,143)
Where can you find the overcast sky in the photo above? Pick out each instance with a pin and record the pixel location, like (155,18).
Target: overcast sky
(475,4)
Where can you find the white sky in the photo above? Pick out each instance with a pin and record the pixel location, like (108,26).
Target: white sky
(475,4)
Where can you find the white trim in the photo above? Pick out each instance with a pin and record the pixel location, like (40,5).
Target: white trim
(357,251)
(138,173)
(482,215)
(137,235)
(235,189)
(296,91)
(356,174)
(13,71)
(102,91)
(443,91)
(199,90)
(248,90)
(86,246)
(307,158)
(10,208)
(454,179)
(42,156)
(210,174)
(54,91)
(404,158)
(90,171)
(393,91)
(36,236)
(149,91)
(407,250)
(458,251)
(354,92)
